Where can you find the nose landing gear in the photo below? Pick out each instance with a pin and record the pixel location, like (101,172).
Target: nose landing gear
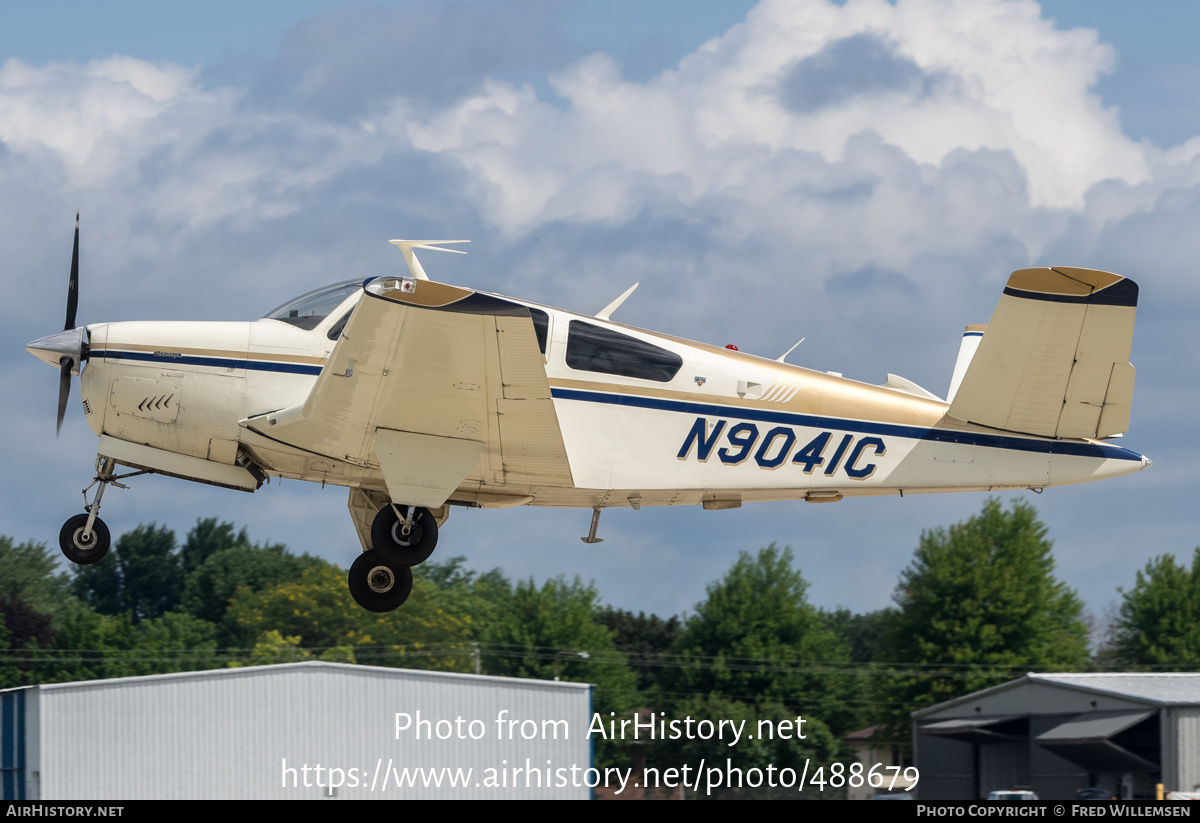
(84,542)
(85,538)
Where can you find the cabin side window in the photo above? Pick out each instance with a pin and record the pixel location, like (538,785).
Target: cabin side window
(597,349)
(541,326)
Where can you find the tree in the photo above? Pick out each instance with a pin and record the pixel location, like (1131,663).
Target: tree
(30,572)
(208,589)
(757,650)
(552,632)
(863,633)
(460,591)
(758,638)
(979,605)
(1159,623)
(207,538)
(318,609)
(644,639)
(145,578)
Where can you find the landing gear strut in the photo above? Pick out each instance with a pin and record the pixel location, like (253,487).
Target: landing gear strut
(400,537)
(84,538)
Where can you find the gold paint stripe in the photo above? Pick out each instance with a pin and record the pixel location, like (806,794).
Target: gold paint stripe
(227,353)
(1062,280)
(848,401)
(429,294)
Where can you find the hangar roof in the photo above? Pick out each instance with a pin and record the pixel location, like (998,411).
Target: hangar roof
(1152,688)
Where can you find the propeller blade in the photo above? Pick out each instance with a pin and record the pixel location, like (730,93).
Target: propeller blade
(73,285)
(64,388)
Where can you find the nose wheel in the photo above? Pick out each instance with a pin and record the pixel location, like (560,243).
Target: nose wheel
(84,543)
(377,585)
(84,538)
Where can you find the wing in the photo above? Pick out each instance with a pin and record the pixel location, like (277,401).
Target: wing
(1054,360)
(435,385)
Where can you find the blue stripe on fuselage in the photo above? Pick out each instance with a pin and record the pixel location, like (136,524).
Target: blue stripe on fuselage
(213,362)
(994,441)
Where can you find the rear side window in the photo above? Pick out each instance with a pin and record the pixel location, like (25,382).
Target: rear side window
(597,349)
(541,325)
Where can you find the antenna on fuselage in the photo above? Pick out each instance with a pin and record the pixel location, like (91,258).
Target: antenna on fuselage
(789,351)
(606,312)
(414,265)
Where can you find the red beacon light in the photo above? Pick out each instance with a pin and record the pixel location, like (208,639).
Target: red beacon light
(731,347)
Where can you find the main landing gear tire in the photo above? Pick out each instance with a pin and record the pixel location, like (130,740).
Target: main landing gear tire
(378,586)
(399,549)
(80,546)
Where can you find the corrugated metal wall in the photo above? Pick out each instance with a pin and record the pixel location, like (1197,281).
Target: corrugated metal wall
(237,734)
(1181,748)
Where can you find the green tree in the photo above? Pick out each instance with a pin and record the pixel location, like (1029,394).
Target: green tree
(552,632)
(207,538)
(144,578)
(757,650)
(863,634)
(318,609)
(757,638)
(30,572)
(92,646)
(979,605)
(1159,622)
(209,588)
(23,632)
(644,639)
(461,591)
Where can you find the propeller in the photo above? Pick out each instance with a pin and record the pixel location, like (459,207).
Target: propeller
(66,349)
(66,363)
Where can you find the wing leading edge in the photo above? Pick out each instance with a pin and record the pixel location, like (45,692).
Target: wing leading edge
(1054,360)
(438,386)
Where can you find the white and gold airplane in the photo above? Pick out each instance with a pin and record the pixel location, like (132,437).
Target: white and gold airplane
(419,396)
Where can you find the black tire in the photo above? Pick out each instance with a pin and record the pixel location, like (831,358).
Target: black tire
(401,550)
(77,547)
(378,586)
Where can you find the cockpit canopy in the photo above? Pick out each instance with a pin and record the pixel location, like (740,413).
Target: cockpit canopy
(308,310)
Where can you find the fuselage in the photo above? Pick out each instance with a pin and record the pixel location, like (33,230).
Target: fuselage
(646,419)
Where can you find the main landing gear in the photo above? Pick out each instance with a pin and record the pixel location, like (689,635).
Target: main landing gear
(402,537)
(84,538)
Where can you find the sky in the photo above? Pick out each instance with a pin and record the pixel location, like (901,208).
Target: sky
(861,174)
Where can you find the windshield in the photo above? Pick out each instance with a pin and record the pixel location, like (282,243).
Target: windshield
(308,310)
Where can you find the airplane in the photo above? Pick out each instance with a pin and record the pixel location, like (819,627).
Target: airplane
(419,396)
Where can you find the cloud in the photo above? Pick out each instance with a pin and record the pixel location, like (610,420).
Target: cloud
(859,66)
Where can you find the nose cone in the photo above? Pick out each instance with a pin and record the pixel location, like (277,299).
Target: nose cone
(52,348)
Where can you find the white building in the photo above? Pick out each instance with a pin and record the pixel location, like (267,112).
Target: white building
(300,731)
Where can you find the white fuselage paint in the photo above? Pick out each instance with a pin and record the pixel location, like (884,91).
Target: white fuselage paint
(728,424)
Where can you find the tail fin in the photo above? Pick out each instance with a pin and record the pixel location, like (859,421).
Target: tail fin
(972,335)
(1055,359)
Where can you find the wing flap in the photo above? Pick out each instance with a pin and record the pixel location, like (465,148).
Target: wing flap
(1054,360)
(421,469)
